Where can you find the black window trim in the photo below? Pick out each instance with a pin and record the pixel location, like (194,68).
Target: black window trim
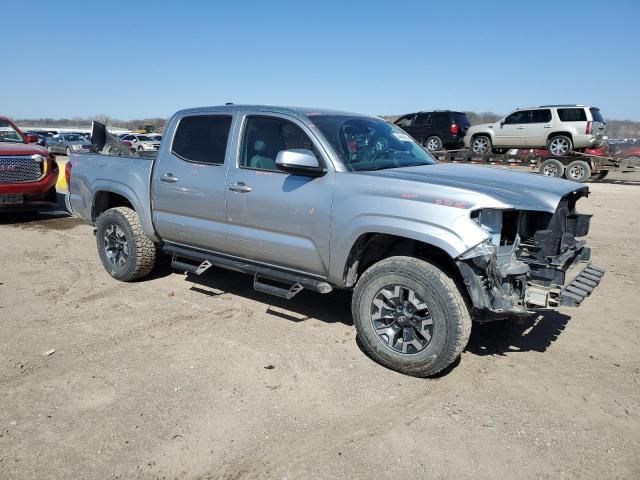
(321,161)
(212,114)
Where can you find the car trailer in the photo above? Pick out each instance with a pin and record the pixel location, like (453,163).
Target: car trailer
(576,166)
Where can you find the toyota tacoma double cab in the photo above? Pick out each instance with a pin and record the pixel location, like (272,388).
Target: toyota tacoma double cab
(558,128)
(28,172)
(321,200)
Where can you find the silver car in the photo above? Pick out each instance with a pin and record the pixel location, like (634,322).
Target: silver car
(558,128)
(142,143)
(65,143)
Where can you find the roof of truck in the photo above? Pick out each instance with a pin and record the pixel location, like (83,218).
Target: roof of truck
(295,111)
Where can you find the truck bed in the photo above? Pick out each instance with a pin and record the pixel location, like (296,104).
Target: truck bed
(127,176)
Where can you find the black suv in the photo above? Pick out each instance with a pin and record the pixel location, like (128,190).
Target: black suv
(436,130)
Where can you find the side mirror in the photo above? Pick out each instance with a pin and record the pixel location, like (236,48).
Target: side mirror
(32,138)
(300,161)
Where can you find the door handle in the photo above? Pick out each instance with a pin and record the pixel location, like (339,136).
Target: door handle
(547,126)
(168,178)
(240,187)
(520,128)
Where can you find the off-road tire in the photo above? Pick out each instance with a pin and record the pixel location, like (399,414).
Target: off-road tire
(142,252)
(578,171)
(446,305)
(487,147)
(552,167)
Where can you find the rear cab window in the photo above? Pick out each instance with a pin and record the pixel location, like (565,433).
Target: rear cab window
(202,139)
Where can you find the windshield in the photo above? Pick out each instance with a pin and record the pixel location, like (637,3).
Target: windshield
(366,144)
(9,134)
(144,138)
(74,138)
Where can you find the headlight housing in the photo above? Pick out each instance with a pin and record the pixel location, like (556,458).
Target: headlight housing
(76,147)
(490,220)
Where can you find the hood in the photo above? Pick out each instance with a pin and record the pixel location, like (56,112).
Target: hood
(518,190)
(482,126)
(22,149)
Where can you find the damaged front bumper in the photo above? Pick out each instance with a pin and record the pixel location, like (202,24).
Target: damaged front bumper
(547,268)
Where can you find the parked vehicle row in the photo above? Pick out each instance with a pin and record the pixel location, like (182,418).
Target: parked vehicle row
(325,200)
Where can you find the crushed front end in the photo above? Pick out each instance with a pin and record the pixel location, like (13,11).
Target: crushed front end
(531,260)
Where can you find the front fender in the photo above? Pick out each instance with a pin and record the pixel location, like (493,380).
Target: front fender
(456,238)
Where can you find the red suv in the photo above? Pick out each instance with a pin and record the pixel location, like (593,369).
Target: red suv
(28,172)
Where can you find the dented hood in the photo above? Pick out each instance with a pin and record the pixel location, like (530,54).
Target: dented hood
(519,190)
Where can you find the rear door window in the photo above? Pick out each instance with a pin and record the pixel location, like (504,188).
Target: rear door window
(202,138)
(441,120)
(597,116)
(423,119)
(540,116)
(572,115)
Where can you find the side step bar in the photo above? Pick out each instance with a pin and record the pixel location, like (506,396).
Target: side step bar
(581,287)
(267,280)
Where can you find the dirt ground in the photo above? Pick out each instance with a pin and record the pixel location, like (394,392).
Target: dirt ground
(183,377)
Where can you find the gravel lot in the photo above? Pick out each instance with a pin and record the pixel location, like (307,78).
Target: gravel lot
(183,377)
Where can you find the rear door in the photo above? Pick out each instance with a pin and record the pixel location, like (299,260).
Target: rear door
(273,216)
(188,187)
(538,128)
(513,131)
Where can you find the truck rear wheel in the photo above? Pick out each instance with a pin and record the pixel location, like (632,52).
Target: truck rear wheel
(410,316)
(125,251)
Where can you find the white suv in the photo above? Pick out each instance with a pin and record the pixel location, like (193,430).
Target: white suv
(558,128)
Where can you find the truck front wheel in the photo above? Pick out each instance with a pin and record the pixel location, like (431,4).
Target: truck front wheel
(410,316)
(125,251)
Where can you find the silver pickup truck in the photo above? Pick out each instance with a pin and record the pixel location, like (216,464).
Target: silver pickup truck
(324,200)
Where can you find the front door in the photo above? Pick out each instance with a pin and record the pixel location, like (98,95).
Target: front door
(188,184)
(513,131)
(273,216)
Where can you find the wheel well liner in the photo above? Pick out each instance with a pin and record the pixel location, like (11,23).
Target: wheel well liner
(104,200)
(370,248)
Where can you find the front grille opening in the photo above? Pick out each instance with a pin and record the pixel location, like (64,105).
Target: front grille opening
(20,169)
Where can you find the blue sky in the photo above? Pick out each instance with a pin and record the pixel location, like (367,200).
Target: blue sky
(143,59)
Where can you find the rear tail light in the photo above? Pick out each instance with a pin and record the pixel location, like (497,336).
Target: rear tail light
(589,128)
(455,129)
(67,174)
